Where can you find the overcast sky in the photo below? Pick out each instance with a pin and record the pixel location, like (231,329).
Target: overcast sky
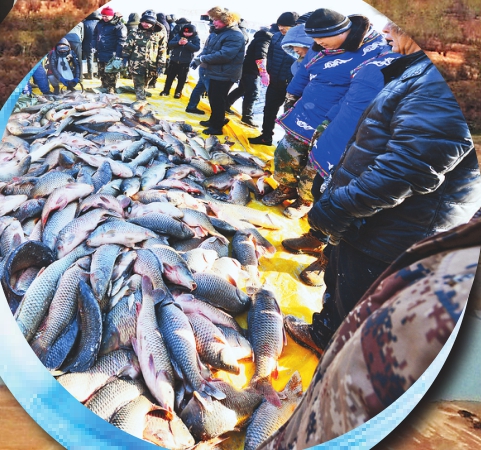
(257,12)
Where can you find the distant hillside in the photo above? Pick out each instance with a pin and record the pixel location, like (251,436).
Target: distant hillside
(443,425)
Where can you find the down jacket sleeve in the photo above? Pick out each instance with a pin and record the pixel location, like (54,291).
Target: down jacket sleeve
(410,137)
(231,46)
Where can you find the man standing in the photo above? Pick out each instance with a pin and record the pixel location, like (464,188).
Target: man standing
(145,51)
(409,172)
(222,59)
(108,40)
(279,69)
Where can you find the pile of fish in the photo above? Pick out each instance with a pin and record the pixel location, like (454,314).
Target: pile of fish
(127,253)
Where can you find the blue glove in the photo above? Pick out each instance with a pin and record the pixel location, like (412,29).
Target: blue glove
(195,63)
(75,80)
(125,62)
(63,81)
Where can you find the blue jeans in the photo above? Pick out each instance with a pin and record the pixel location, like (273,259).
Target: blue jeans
(201,88)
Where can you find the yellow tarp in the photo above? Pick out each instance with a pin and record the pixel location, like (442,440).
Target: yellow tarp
(281,272)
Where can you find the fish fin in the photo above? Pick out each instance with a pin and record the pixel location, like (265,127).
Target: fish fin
(210,389)
(263,387)
(204,371)
(204,400)
(131,303)
(294,385)
(159,411)
(231,280)
(275,373)
(177,369)
(135,345)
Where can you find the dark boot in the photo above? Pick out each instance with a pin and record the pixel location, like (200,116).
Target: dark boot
(195,111)
(260,140)
(307,243)
(300,332)
(165,93)
(278,195)
(214,131)
(177,95)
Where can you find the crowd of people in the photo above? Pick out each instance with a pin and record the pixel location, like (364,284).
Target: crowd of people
(376,152)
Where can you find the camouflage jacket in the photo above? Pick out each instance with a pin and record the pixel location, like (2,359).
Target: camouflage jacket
(386,343)
(146,49)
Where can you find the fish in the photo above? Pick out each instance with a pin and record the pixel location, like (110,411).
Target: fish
(145,420)
(101,269)
(77,230)
(194,305)
(38,296)
(149,265)
(175,269)
(120,323)
(209,420)
(61,197)
(47,183)
(179,338)
(150,347)
(164,224)
(56,222)
(62,309)
(212,346)
(268,418)
(220,293)
(119,232)
(83,385)
(199,259)
(265,314)
(10,203)
(87,348)
(114,395)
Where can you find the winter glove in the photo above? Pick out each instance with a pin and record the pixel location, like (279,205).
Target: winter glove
(125,63)
(330,219)
(261,65)
(63,81)
(75,80)
(289,101)
(195,63)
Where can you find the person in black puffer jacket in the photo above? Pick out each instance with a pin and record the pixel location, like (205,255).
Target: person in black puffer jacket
(409,171)
(89,26)
(109,37)
(279,69)
(253,67)
(222,59)
(182,47)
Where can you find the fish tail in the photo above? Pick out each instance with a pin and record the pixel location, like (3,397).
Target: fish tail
(263,387)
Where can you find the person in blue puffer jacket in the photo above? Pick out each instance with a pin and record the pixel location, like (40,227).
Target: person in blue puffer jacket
(341,44)
(108,39)
(328,144)
(409,172)
(222,59)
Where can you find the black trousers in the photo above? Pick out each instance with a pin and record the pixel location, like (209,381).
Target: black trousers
(176,70)
(275,97)
(218,91)
(349,274)
(247,88)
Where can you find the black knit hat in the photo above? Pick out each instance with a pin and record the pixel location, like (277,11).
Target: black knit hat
(149,16)
(325,22)
(287,19)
